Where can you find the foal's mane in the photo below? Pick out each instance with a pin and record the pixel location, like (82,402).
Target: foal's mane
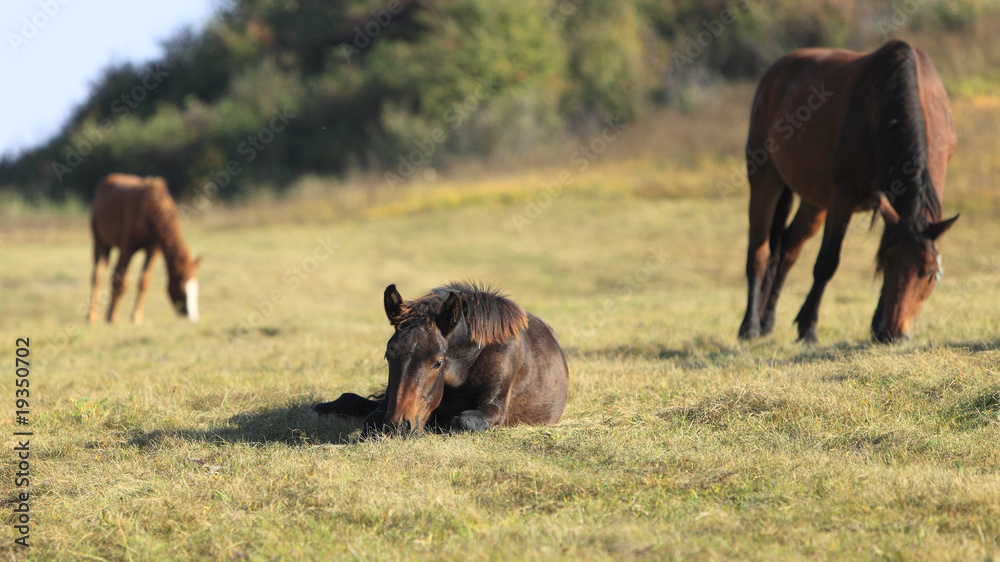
(890,109)
(491,316)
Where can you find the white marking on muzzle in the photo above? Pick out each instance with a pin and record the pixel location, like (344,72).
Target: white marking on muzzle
(191,290)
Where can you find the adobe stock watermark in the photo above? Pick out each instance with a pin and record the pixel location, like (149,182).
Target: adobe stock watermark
(624,287)
(696,45)
(452,118)
(938,146)
(121,108)
(787,127)
(291,279)
(580,158)
(565,9)
(218,180)
(970,289)
(31,26)
(899,17)
(366,34)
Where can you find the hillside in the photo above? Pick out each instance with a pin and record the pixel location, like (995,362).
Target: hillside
(270,91)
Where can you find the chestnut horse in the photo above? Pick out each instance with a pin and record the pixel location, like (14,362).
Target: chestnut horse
(133,213)
(847,132)
(463,358)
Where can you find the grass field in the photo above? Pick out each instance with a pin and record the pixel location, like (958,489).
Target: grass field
(173,440)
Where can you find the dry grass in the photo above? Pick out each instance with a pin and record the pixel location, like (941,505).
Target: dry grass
(171,440)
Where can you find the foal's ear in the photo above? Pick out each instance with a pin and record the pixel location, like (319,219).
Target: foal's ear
(885,208)
(936,229)
(197,260)
(450,315)
(393,304)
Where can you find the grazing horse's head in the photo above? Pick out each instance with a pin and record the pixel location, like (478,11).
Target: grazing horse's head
(911,266)
(182,286)
(417,354)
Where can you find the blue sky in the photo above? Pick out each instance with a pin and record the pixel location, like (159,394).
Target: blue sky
(52,51)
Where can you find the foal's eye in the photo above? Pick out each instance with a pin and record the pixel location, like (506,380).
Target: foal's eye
(438,364)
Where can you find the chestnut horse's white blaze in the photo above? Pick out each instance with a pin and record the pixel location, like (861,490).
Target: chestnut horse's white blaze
(191,288)
(132,213)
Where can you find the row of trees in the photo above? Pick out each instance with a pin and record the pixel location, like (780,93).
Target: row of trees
(275,88)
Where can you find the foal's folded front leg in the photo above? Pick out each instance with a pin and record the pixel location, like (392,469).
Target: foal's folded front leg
(349,405)
(480,419)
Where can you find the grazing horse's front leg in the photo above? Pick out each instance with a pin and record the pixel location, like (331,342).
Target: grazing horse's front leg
(147,271)
(119,282)
(838,219)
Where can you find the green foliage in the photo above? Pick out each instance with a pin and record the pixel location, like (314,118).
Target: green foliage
(410,83)
(608,69)
(474,65)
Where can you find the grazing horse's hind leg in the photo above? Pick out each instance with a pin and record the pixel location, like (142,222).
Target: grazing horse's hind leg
(775,244)
(804,226)
(101,254)
(119,281)
(147,271)
(766,194)
(838,218)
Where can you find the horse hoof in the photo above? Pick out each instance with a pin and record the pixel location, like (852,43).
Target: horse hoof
(749,333)
(469,420)
(887,338)
(808,337)
(325,408)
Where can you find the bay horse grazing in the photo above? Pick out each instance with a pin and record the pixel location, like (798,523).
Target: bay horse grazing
(847,132)
(132,213)
(463,358)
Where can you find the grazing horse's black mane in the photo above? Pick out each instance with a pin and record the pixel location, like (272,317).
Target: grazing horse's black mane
(491,316)
(892,112)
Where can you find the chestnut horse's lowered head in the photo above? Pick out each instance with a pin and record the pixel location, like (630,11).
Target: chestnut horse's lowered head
(910,263)
(182,286)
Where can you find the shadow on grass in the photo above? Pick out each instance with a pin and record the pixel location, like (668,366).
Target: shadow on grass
(628,351)
(973,346)
(702,352)
(696,353)
(295,425)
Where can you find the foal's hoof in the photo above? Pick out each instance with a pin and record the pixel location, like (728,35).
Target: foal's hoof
(469,420)
(349,405)
(325,408)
